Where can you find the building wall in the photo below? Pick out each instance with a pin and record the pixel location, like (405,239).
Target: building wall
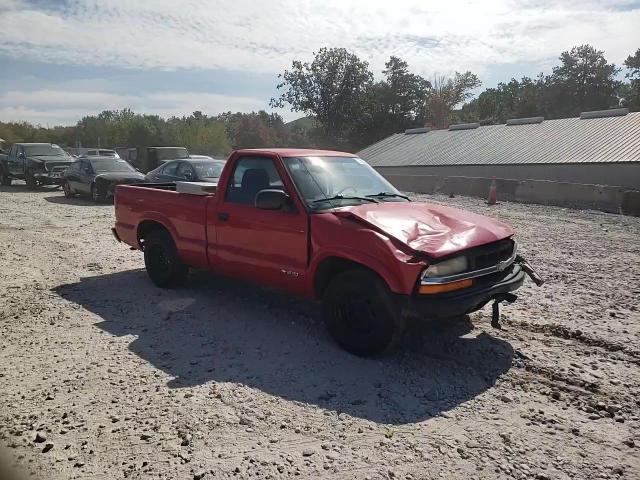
(612,174)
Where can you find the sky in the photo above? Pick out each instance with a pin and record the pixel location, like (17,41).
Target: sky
(63,59)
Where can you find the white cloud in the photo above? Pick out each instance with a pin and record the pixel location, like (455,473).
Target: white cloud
(434,36)
(264,37)
(66,107)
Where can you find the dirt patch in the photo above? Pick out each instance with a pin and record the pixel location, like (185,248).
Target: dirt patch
(104,376)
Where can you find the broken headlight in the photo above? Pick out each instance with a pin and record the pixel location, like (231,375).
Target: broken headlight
(447,267)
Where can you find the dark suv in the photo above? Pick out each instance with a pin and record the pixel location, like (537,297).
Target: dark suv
(35,163)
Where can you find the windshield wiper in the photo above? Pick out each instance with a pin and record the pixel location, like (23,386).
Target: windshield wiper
(342,197)
(389,194)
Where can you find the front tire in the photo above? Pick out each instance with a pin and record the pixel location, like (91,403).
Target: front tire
(66,188)
(30,180)
(96,195)
(5,179)
(162,261)
(361,313)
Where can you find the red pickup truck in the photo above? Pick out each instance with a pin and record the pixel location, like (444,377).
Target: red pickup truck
(325,225)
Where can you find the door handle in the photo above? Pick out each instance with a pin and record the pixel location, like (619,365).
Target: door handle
(223,216)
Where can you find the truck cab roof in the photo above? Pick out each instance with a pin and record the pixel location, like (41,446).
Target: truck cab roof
(295,152)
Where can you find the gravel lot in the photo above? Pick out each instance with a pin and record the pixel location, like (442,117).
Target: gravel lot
(104,376)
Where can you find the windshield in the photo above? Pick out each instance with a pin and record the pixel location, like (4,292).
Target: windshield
(208,169)
(172,153)
(44,150)
(319,178)
(111,165)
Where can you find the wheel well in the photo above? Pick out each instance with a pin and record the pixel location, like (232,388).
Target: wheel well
(332,266)
(146,227)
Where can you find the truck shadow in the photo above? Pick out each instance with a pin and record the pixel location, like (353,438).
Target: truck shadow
(81,201)
(227,331)
(22,188)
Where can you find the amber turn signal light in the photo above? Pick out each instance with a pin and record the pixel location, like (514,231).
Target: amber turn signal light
(445,287)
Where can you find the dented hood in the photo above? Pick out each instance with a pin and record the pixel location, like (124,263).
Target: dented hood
(436,230)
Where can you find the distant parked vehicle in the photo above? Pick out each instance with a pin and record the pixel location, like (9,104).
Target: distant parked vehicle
(98,176)
(146,159)
(197,168)
(35,163)
(101,153)
(3,155)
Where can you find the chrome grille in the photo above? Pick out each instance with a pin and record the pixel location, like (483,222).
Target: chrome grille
(56,167)
(490,255)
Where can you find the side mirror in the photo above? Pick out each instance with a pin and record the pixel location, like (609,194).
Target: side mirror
(271,199)
(21,155)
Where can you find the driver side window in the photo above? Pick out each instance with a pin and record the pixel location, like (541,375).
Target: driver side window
(252,174)
(170,169)
(186,171)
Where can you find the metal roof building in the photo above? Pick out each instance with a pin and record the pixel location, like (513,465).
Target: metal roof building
(596,148)
(568,140)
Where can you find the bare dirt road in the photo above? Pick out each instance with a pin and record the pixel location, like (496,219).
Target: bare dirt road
(104,376)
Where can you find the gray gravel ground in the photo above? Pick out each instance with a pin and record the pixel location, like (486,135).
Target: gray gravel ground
(104,376)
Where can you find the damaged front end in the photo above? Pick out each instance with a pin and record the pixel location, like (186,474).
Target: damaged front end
(48,173)
(470,280)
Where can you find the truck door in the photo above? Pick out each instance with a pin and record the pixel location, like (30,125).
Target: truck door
(72,174)
(85,177)
(266,246)
(16,160)
(11,159)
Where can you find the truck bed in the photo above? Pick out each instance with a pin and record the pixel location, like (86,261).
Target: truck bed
(183,214)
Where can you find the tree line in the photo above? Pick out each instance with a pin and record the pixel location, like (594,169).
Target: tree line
(346,108)
(200,133)
(338,89)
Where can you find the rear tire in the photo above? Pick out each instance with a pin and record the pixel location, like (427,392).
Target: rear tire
(30,180)
(66,188)
(162,261)
(361,313)
(5,179)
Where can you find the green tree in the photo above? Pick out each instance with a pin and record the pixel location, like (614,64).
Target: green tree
(394,104)
(583,81)
(514,99)
(405,94)
(257,129)
(631,90)
(200,133)
(446,93)
(332,88)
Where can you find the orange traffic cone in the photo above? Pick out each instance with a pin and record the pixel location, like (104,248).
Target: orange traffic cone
(492,200)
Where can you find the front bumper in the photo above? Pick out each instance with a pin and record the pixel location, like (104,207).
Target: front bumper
(46,178)
(461,302)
